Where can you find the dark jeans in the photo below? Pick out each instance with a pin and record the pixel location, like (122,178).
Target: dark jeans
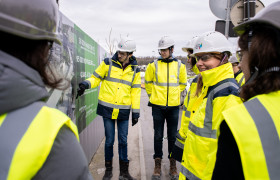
(159,115)
(109,126)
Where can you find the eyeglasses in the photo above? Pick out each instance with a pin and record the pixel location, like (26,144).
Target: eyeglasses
(122,53)
(205,57)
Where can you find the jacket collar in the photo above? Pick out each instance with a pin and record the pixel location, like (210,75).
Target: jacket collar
(217,74)
(20,85)
(132,60)
(236,74)
(167,60)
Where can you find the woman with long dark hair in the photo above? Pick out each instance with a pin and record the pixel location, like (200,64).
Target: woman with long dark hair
(37,142)
(249,146)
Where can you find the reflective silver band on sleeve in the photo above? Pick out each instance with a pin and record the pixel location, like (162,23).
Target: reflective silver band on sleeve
(114,105)
(188,174)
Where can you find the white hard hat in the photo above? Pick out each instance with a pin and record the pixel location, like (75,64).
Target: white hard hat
(165,42)
(190,44)
(126,45)
(30,19)
(212,42)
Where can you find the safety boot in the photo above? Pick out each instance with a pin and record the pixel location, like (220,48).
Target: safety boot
(157,170)
(109,170)
(173,170)
(124,173)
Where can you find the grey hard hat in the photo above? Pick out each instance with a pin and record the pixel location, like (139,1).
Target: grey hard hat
(30,19)
(268,15)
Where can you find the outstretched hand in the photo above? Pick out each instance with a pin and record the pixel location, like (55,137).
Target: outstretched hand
(80,90)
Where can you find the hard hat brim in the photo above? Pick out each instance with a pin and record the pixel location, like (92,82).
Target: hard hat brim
(268,15)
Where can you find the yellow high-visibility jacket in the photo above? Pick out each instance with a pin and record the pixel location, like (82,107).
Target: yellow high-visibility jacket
(120,89)
(255,126)
(164,81)
(34,138)
(195,69)
(37,123)
(239,76)
(178,147)
(219,92)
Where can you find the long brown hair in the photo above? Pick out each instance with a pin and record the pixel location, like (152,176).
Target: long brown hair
(35,54)
(264,53)
(200,82)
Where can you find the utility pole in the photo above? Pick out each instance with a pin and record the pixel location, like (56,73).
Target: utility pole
(227,18)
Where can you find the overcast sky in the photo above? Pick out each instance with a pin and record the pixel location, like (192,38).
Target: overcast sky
(146,21)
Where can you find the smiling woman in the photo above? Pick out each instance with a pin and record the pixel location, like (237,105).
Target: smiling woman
(216,91)
(209,61)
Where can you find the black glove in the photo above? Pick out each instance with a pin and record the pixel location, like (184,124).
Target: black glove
(134,121)
(81,90)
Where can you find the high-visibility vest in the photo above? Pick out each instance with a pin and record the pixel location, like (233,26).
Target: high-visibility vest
(255,126)
(219,92)
(120,90)
(26,137)
(164,82)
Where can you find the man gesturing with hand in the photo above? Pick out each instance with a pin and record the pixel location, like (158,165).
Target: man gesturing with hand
(120,92)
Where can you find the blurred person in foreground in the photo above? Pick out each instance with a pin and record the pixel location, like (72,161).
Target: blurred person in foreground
(37,142)
(248,145)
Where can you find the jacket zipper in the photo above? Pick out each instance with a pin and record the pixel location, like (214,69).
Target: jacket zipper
(167,83)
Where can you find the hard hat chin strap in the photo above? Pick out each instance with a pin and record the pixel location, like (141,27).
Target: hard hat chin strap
(170,52)
(253,75)
(225,56)
(256,72)
(272,69)
(250,35)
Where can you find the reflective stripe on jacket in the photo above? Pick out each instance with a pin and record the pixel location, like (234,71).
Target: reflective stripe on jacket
(21,156)
(181,135)
(255,126)
(120,89)
(239,76)
(164,81)
(219,92)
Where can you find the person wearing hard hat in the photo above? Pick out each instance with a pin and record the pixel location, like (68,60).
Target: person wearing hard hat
(120,91)
(189,49)
(165,79)
(248,145)
(178,147)
(238,74)
(177,151)
(37,142)
(216,91)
